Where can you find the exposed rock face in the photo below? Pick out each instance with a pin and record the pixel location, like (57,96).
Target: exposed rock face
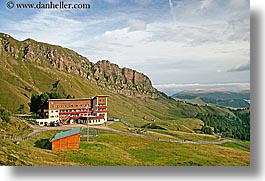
(106,75)
(125,81)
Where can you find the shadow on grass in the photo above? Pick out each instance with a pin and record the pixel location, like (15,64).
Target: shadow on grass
(43,144)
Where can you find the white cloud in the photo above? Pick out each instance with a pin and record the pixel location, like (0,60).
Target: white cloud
(64,28)
(136,24)
(238,3)
(188,8)
(171,41)
(206,10)
(47,26)
(170,53)
(123,37)
(205,4)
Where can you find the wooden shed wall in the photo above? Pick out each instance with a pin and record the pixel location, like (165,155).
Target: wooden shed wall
(67,143)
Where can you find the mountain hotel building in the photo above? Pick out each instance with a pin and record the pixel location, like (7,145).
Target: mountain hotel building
(76,111)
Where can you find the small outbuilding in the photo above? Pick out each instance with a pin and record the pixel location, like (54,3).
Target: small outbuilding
(68,140)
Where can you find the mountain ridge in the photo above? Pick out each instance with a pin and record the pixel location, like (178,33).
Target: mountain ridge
(244,94)
(202,91)
(216,97)
(103,73)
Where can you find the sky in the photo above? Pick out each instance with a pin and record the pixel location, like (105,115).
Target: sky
(178,44)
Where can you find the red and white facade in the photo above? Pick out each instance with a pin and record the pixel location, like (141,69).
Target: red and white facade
(78,111)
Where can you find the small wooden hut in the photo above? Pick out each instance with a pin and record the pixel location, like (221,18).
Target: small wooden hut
(68,140)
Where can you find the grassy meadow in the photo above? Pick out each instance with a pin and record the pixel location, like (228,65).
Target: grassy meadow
(14,128)
(113,149)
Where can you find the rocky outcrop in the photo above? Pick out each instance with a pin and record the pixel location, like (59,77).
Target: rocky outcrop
(105,74)
(123,80)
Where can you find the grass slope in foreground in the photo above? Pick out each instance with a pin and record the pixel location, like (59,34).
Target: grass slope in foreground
(14,127)
(114,149)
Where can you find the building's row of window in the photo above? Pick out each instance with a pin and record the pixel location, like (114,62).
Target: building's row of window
(85,114)
(102,109)
(68,105)
(44,123)
(55,111)
(94,121)
(91,121)
(101,104)
(70,110)
(56,116)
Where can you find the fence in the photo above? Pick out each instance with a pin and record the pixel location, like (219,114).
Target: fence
(174,141)
(122,120)
(19,138)
(90,136)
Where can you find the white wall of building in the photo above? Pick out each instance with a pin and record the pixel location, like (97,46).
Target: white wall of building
(43,122)
(54,114)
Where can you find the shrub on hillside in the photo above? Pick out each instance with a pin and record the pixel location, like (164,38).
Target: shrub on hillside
(4,115)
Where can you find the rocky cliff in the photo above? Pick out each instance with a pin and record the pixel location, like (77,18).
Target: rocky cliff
(105,74)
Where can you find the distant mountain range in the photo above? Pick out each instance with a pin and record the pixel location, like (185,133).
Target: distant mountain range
(218,97)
